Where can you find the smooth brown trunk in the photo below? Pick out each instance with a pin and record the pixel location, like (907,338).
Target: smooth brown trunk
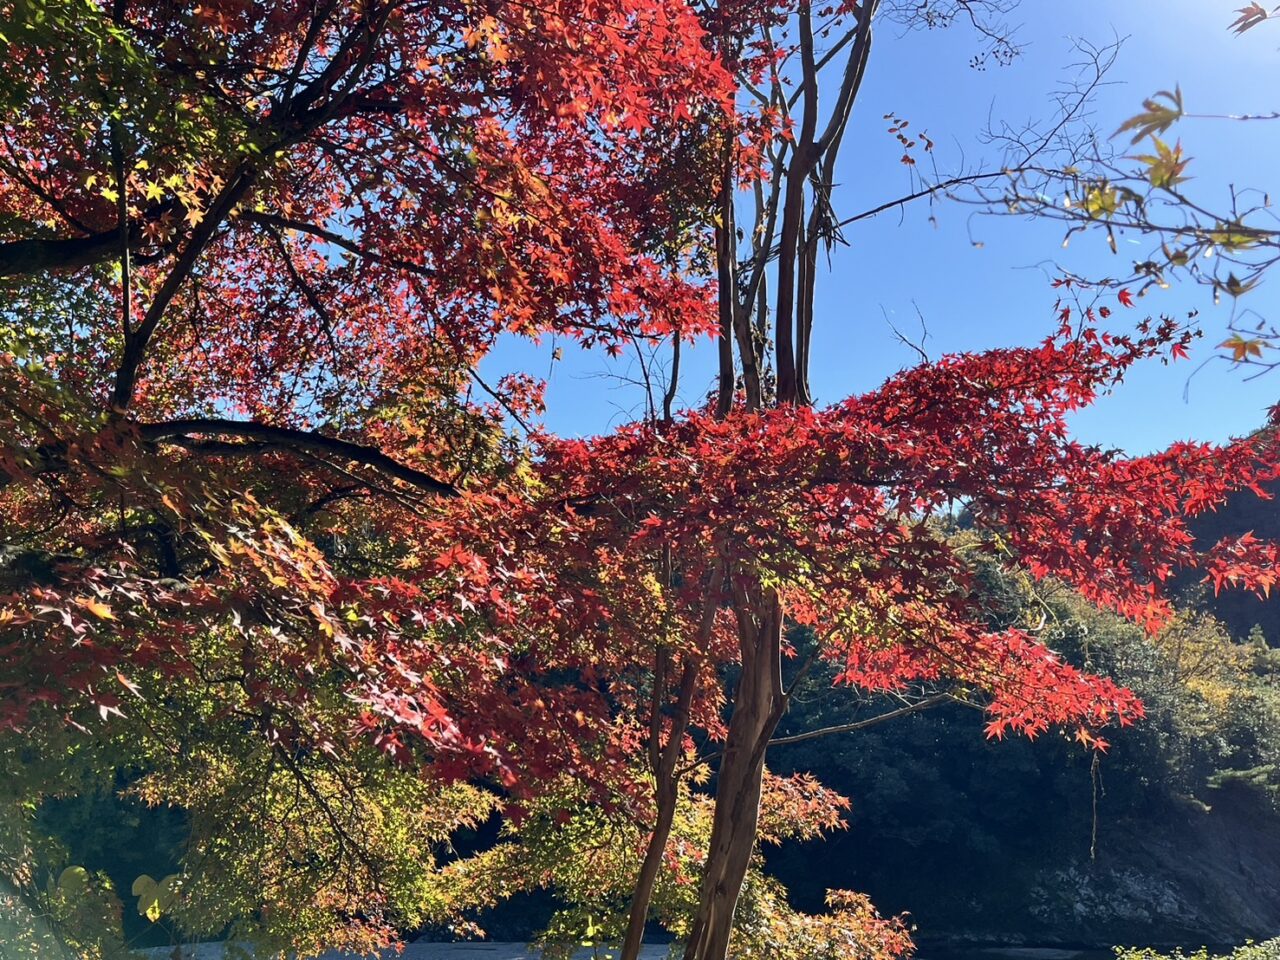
(664,760)
(758,706)
(726,279)
(649,870)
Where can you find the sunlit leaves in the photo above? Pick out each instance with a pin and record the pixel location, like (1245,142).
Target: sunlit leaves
(1101,200)
(811,504)
(589,857)
(73,881)
(156,897)
(1224,243)
(1160,111)
(1165,167)
(1242,348)
(315,650)
(1232,237)
(96,607)
(490,115)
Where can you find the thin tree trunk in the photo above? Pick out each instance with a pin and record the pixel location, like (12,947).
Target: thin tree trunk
(758,706)
(761,700)
(784,303)
(726,274)
(667,794)
(664,760)
(808,256)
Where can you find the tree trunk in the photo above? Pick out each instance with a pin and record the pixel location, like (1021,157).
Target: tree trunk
(667,793)
(758,706)
(664,759)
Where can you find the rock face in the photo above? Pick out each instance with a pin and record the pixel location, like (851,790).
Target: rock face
(1199,877)
(989,846)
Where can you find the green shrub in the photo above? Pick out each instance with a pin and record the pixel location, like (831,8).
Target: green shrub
(1269,950)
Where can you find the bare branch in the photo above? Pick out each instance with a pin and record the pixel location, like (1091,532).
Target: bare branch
(916,707)
(308,440)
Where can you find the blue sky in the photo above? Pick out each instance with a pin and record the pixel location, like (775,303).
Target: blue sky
(972,297)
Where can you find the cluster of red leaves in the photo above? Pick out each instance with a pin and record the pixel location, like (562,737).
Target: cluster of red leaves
(365,196)
(520,634)
(837,509)
(481,167)
(368,194)
(486,171)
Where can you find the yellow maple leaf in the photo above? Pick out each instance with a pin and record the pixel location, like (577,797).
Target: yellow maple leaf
(97,608)
(1241,348)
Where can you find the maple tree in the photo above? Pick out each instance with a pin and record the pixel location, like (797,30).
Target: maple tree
(589,855)
(251,254)
(679,547)
(236,177)
(764,342)
(248,470)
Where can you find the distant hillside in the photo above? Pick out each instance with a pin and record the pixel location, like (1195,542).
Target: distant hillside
(997,843)
(989,844)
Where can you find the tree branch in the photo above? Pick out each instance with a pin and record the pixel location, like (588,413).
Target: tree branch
(916,707)
(300,440)
(135,347)
(23,257)
(337,239)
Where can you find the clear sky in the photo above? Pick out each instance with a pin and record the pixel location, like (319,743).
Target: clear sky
(970,296)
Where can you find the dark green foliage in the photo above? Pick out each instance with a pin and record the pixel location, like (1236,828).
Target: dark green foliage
(959,830)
